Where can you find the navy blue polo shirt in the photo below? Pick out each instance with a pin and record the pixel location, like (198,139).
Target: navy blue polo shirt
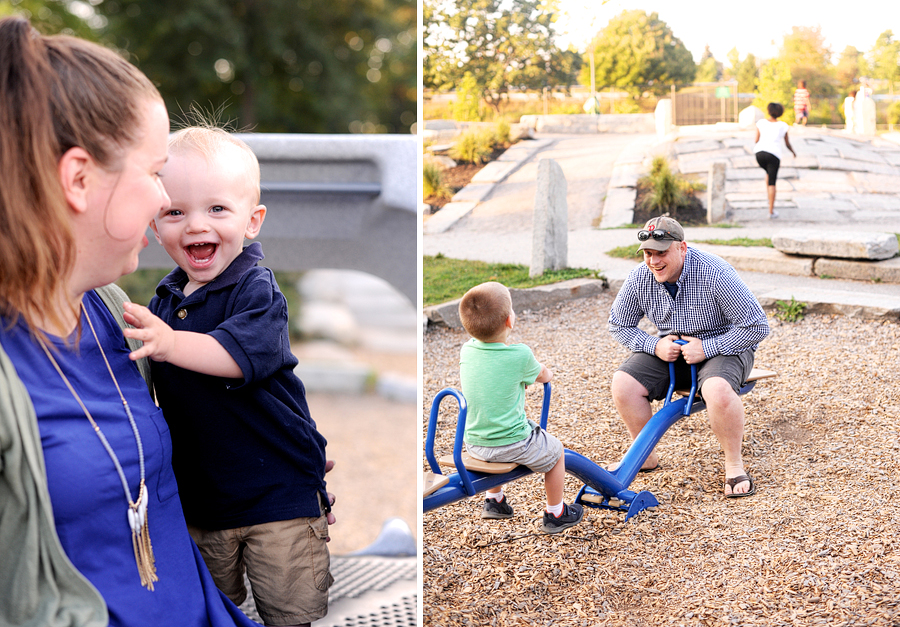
(245,451)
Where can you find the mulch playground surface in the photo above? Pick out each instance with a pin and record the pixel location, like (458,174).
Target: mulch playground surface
(819,544)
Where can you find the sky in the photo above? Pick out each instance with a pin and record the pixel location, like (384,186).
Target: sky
(755,27)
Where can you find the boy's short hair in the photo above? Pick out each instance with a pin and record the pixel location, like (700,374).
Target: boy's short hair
(802,84)
(207,140)
(775,109)
(484,309)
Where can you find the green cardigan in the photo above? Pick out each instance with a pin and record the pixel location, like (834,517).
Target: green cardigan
(39,586)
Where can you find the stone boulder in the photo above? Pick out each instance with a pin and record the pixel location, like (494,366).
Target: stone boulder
(748,117)
(838,244)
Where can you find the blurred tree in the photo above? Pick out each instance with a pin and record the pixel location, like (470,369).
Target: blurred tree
(563,68)
(744,72)
(467,107)
(809,58)
(637,52)
(501,43)
(776,85)
(276,65)
(884,58)
(708,70)
(54,16)
(850,66)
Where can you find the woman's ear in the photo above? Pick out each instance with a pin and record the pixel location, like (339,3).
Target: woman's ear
(75,168)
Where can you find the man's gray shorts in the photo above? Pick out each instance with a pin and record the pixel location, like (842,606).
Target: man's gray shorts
(653,373)
(539,451)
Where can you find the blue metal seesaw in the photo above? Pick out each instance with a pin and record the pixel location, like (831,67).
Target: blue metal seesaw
(602,488)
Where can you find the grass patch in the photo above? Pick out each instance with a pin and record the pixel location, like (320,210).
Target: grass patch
(739,241)
(632,251)
(445,279)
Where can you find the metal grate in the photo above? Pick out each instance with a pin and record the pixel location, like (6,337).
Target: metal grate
(367,592)
(354,576)
(400,614)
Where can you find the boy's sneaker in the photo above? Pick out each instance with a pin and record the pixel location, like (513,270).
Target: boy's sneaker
(493,509)
(571,516)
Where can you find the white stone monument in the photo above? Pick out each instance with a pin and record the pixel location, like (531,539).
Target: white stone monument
(663,117)
(864,116)
(715,193)
(549,249)
(748,117)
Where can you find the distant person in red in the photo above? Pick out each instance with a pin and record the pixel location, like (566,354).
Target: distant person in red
(801,104)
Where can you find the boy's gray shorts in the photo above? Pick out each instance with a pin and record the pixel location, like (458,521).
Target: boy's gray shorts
(539,451)
(653,373)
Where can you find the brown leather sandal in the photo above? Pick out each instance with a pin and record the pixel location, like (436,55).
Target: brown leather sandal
(740,479)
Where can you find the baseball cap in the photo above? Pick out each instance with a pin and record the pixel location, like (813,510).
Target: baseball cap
(670,229)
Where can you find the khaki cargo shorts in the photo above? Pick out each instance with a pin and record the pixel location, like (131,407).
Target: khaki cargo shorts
(287,562)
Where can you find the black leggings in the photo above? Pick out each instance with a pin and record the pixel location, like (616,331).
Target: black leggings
(768,162)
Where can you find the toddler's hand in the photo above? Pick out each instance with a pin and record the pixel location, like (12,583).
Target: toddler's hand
(157,336)
(329,517)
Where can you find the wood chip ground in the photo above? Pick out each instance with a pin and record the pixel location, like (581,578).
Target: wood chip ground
(819,544)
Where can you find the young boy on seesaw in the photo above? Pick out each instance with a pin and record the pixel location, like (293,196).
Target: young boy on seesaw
(493,376)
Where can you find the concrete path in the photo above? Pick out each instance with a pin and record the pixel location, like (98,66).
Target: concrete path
(837,182)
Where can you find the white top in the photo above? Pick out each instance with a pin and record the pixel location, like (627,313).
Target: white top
(771,137)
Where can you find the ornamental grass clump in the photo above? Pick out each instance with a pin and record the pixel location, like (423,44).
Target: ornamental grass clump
(665,191)
(433,181)
(473,146)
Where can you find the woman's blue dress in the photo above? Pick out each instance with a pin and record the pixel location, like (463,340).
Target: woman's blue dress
(89,505)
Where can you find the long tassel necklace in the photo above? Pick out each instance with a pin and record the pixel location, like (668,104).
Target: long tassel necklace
(137,509)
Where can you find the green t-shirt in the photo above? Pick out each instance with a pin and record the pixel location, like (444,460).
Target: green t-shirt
(493,378)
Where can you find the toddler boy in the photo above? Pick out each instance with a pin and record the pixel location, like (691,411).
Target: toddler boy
(249,462)
(493,375)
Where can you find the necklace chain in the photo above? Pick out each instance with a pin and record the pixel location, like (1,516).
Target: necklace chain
(137,509)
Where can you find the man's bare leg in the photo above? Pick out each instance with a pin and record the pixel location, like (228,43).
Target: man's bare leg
(726,417)
(630,398)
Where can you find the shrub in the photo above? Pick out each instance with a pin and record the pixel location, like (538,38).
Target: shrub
(467,107)
(789,311)
(473,146)
(433,181)
(667,192)
(501,133)
(893,113)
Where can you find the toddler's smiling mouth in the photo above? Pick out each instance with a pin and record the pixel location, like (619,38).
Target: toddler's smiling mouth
(200,253)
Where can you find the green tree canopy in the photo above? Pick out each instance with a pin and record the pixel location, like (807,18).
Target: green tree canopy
(277,66)
(776,85)
(501,43)
(54,16)
(745,72)
(809,58)
(850,66)
(884,58)
(637,52)
(708,70)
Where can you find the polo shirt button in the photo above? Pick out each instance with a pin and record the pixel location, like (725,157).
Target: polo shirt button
(182,313)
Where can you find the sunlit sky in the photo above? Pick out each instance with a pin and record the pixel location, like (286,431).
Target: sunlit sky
(758,27)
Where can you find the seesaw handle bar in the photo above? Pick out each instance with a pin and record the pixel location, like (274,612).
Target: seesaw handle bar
(467,478)
(652,433)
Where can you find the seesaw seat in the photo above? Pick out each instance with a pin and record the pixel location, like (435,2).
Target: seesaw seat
(478,465)
(757,374)
(432,482)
